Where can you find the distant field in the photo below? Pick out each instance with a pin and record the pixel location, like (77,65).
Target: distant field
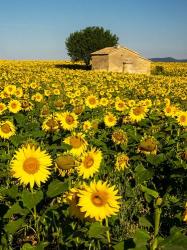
(66,131)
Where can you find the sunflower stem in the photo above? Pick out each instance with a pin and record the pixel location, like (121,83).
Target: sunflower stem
(35,216)
(107,232)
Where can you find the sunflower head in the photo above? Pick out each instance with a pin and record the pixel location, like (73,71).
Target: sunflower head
(45,111)
(30,165)
(121,162)
(119,137)
(50,124)
(59,104)
(26,105)
(77,142)
(148,145)
(78,109)
(182,118)
(65,162)
(99,200)
(72,199)
(7,129)
(90,163)
(138,113)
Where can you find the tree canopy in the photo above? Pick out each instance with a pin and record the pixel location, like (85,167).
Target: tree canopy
(81,44)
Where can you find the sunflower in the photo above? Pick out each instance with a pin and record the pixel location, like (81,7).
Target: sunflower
(78,109)
(169,111)
(65,163)
(19,92)
(31,165)
(137,113)
(148,145)
(2,107)
(120,105)
(90,163)
(7,129)
(121,161)
(99,201)
(59,104)
(86,125)
(10,89)
(91,101)
(68,120)
(26,105)
(110,120)
(38,97)
(119,137)
(103,102)
(50,124)
(72,199)
(14,106)
(182,118)
(77,142)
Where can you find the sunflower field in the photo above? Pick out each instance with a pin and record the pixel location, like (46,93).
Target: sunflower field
(92,160)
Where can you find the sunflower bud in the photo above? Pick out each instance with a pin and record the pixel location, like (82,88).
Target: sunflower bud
(65,162)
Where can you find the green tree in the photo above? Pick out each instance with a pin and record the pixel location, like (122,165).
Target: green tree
(81,44)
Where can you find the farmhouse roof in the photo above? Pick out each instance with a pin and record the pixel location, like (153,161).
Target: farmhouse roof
(110,50)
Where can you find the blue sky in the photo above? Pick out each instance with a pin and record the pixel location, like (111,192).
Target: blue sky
(37,29)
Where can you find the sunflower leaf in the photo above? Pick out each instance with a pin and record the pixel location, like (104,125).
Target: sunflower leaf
(97,231)
(31,199)
(56,187)
(13,226)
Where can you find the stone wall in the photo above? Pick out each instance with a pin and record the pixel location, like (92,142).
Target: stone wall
(100,62)
(122,60)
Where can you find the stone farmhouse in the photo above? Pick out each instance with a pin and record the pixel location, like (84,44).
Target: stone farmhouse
(120,59)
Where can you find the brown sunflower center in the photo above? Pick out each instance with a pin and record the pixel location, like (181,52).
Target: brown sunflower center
(25,104)
(138,110)
(118,136)
(110,118)
(92,100)
(1,107)
(69,119)
(183,118)
(76,142)
(88,162)
(51,123)
(31,165)
(168,109)
(6,128)
(121,105)
(99,199)
(13,105)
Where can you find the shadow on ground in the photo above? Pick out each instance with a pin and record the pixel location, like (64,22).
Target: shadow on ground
(73,66)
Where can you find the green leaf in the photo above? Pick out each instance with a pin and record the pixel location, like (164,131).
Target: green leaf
(142,174)
(149,191)
(156,160)
(12,192)
(30,200)
(176,240)
(119,246)
(56,187)
(97,231)
(140,239)
(144,222)
(65,146)
(15,209)
(40,246)
(13,226)
(27,246)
